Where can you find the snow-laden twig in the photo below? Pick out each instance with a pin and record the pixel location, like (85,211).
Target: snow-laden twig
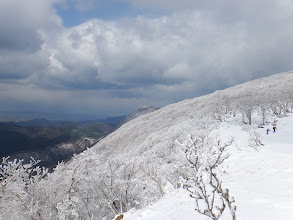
(204,154)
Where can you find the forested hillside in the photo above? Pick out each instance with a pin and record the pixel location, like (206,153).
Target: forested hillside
(35,135)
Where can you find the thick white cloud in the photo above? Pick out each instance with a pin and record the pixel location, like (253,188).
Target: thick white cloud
(170,50)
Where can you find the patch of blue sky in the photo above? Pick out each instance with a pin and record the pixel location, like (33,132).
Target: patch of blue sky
(106,10)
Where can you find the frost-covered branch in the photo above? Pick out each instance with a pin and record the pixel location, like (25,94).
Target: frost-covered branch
(204,154)
(154,178)
(18,182)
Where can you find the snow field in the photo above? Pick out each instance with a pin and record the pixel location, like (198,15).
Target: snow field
(261,179)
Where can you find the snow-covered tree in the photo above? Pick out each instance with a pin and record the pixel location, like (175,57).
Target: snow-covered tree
(18,187)
(205,153)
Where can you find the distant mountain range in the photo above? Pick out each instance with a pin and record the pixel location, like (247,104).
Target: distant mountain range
(41,122)
(52,140)
(38,134)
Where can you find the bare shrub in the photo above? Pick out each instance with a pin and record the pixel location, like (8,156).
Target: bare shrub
(204,154)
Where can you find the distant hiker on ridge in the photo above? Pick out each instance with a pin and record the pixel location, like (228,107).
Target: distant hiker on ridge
(274,129)
(268,131)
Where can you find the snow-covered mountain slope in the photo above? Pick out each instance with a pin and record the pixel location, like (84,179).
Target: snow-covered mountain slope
(149,141)
(260,179)
(140,111)
(153,135)
(131,167)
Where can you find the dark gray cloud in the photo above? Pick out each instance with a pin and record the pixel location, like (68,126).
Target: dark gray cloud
(21,23)
(24,26)
(19,65)
(20,39)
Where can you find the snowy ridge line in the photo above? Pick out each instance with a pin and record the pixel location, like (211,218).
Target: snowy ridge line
(131,167)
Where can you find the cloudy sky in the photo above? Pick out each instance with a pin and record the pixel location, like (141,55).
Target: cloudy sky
(82,59)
